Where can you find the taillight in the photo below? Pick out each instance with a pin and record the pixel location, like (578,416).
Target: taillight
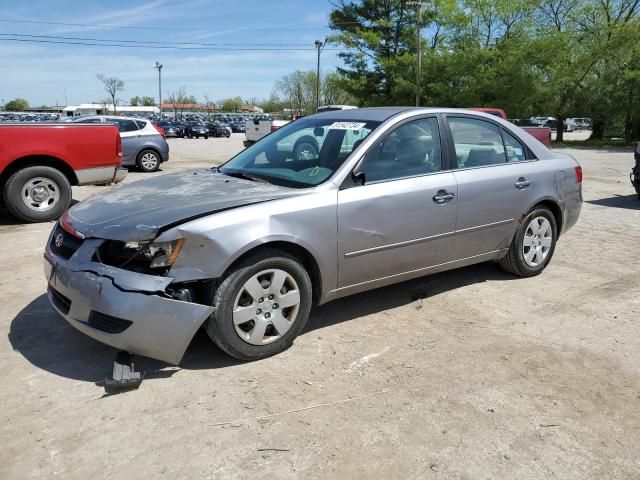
(579,174)
(274,128)
(118,146)
(160,130)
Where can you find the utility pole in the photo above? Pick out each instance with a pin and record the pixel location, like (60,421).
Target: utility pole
(158,66)
(419,4)
(319,46)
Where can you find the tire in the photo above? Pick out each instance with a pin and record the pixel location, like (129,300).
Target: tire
(37,194)
(148,161)
(227,134)
(206,137)
(257,337)
(305,150)
(519,262)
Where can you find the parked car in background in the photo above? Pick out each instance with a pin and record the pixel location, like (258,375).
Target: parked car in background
(581,123)
(197,130)
(238,127)
(40,162)
(171,129)
(246,249)
(219,130)
(635,171)
(143,144)
(542,133)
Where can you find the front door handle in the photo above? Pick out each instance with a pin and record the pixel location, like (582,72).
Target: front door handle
(522,183)
(443,197)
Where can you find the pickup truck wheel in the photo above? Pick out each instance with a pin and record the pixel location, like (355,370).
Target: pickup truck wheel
(37,194)
(305,151)
(262,305)
(533,244)
(148,161)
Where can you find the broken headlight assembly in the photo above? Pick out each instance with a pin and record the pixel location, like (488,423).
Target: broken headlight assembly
(161,254)
(143,257)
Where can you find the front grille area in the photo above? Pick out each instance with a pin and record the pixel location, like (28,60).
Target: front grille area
(61,302)
(70,243)
(107,323)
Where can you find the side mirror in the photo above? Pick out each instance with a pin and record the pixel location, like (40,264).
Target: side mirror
(358,177)
(318,131)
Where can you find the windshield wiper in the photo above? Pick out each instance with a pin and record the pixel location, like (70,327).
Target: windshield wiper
(241,174)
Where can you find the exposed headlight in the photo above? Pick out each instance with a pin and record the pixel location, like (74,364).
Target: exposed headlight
(161,254)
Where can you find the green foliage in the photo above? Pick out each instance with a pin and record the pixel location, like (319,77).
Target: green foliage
(16,105)
(232,104)
(142,101)
(543,57)
(297,92)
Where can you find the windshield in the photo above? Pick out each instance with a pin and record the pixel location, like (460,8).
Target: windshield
(301,154)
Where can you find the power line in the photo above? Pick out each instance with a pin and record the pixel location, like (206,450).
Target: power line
(204,44)
(156,47)
(129,27)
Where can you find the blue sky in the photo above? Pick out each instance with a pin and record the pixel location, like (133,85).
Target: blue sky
(42,72)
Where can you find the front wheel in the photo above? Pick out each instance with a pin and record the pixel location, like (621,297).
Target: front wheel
(37,194)
(206,137)
(261,306)
(533,244)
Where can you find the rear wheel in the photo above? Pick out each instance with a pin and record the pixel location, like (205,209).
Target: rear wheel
(261,306)
(148,161)
(533,244)
(37,194)
(305,151)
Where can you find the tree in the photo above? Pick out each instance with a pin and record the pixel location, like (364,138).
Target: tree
(148,101)
(112,86)
(135,101)
(232,104)
(297,91)
(16,105)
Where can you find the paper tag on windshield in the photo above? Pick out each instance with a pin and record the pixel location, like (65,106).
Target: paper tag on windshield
(346,126)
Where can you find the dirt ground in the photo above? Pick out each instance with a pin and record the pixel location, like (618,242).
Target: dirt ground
(486,377)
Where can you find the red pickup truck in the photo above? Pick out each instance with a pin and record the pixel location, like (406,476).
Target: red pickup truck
(40,162)
(542,134)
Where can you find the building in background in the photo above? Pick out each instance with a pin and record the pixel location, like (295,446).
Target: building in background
(105,109)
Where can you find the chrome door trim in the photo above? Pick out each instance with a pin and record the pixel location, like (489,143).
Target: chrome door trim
(391,246)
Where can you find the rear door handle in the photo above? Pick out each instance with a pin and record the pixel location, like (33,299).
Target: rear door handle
(443,197)
(522,183)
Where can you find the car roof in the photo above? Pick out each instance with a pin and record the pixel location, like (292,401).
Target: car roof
(380,114)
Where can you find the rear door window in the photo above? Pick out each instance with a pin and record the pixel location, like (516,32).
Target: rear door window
(515,150)
(477,143)
(126,125)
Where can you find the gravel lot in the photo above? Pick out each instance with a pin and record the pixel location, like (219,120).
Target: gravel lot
(488,376)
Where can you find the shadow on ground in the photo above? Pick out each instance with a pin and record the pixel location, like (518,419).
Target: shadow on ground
(49,343)
(631,202)
(7,219)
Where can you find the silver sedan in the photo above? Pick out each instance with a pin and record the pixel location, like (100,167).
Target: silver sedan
(246,249)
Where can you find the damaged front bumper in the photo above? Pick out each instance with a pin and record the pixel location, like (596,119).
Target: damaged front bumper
(127,310)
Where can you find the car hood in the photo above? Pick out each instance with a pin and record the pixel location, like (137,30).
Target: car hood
(139,210)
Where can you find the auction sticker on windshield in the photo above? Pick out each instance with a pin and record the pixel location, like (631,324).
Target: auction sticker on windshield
(346,126)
